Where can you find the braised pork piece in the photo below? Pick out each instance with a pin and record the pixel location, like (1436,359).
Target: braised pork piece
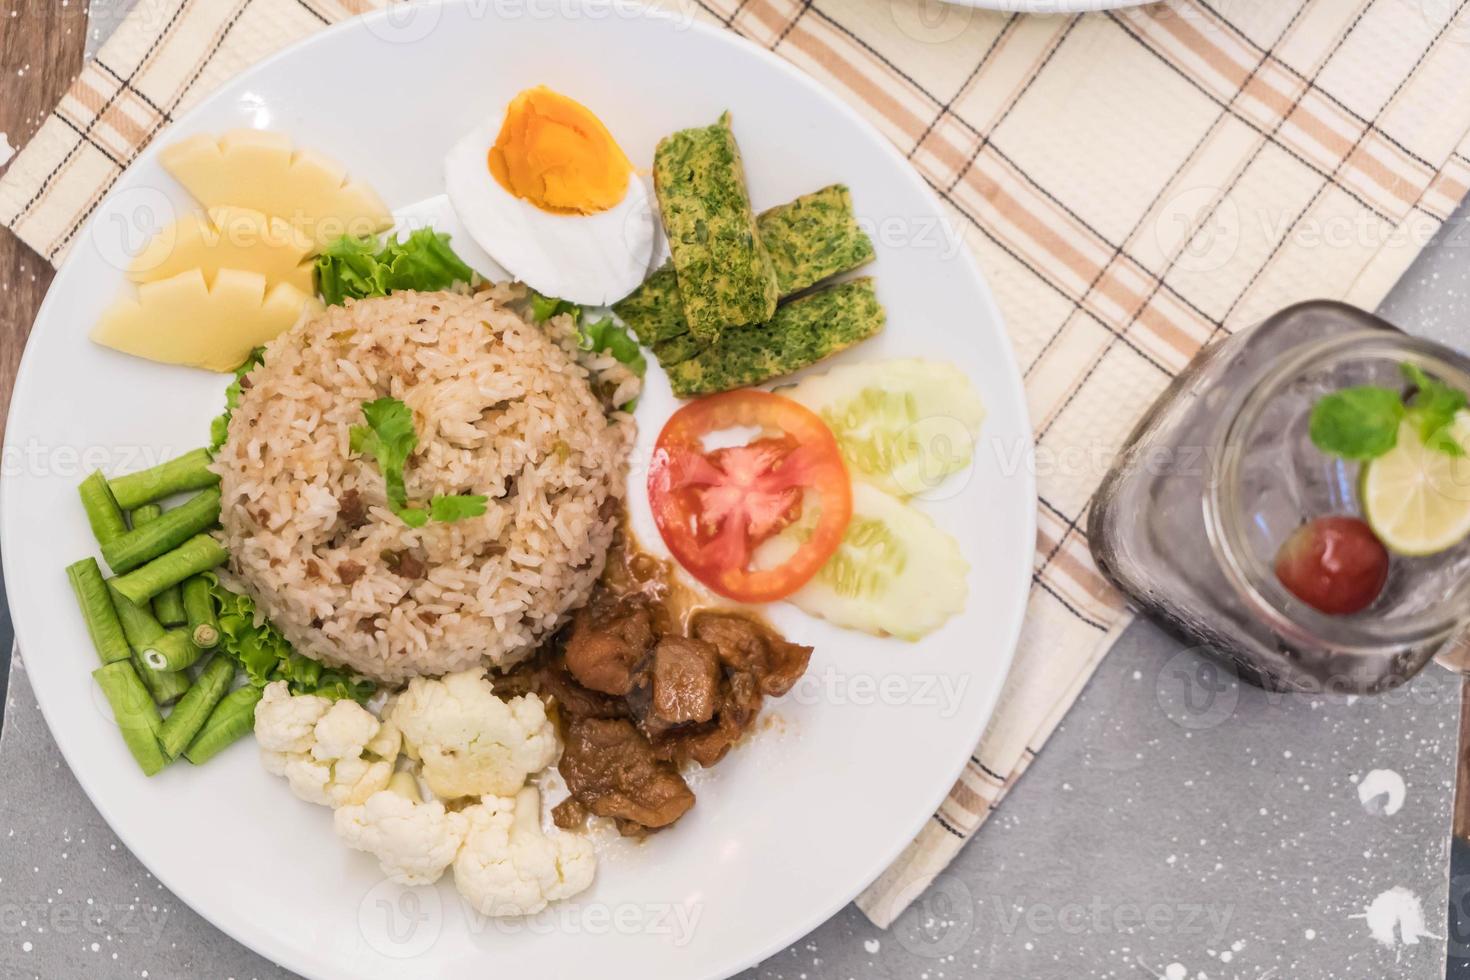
(643,683)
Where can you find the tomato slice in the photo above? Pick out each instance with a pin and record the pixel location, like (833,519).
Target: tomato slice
(715,507)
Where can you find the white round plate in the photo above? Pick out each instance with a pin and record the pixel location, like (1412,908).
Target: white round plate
(794,823)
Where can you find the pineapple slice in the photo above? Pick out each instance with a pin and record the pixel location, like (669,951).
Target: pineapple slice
(186,320)
(228,237)
(258,169)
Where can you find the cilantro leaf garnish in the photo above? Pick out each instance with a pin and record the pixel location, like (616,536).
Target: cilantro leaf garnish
(389,438)
(457,508)
(1362,423)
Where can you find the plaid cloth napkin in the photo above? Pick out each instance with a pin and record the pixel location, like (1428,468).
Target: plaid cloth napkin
(1134,184)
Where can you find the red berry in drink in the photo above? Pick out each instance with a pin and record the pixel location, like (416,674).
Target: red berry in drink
(1334,564)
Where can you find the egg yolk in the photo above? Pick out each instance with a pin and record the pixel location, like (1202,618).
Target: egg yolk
(553,152)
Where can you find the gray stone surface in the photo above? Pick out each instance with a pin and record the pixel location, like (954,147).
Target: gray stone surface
(1178,820)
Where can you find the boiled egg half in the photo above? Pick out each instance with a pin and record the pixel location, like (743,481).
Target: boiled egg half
(549,194)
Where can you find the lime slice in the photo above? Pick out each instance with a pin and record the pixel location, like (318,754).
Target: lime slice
(1416,499)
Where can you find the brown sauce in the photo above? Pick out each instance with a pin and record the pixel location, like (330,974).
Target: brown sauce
(645,680)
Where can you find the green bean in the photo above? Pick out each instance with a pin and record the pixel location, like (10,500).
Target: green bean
(199,608)
(199,554)
(165,686)
(232,719)
(97,610)
(146,514)
(187,472)
(138,624)
(168,605)
(143,634)
(103,512)
(171,652)
(195,707)
(154,538)
(136,715)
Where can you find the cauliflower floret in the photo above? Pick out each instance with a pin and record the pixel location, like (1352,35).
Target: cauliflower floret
(509,866)
(344,731)
(337,782)
(333,754)
(284,723)
(413,841)
(472,743)
(387,743)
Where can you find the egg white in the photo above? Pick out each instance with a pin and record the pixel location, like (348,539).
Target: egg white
(592,260)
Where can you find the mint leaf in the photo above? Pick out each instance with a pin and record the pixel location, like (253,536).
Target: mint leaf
(1441,441)
(390,439)
(1432,410)
(457,508)
(1357,423)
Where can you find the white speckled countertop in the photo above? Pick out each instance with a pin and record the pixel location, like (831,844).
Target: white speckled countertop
(1179,826)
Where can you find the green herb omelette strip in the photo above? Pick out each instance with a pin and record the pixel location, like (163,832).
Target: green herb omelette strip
(801,333)
(725,275)
(654,311)
(677,350)
(809,239)
(813,238)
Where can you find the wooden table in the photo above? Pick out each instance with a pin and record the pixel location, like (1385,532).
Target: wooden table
(40,53)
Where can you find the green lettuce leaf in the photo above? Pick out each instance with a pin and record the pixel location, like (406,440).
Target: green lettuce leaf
(609,336)
(219,426)
(543,308)
(265,655)
(354,268)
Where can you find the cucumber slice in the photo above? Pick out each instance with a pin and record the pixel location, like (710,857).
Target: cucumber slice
(895,573)
(903,425)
